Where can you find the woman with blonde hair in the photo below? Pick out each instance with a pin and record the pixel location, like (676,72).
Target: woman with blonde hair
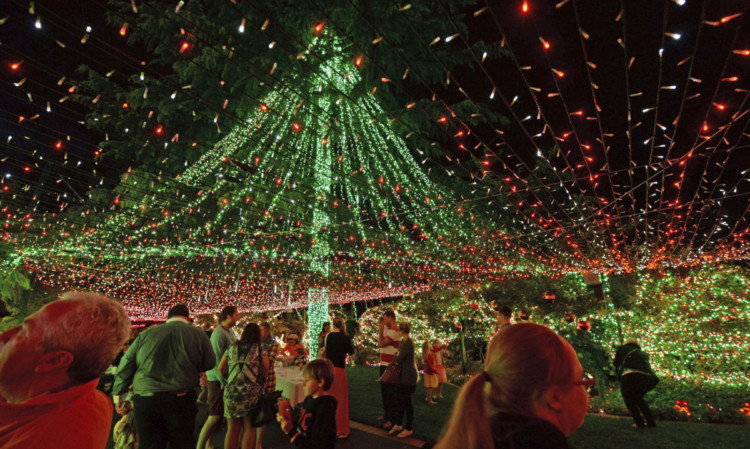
(531,394)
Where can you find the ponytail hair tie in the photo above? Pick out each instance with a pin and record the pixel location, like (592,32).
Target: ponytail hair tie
(486,377)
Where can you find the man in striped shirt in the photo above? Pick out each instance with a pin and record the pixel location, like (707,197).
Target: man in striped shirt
(389,339)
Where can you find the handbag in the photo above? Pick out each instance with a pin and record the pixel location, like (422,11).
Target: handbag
(391,375)
(322,349)
(264,411)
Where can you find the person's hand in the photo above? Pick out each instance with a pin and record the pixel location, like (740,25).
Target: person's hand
(124,407)
(286,425)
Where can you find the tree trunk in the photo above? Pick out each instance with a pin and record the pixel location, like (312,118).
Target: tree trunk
(463,347)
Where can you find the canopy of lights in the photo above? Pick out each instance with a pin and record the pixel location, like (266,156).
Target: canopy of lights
(267,152)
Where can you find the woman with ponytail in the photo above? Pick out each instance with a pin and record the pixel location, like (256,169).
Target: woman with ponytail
(531,394)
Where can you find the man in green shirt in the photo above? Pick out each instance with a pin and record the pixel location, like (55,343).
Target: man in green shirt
(163,365)
(221,339)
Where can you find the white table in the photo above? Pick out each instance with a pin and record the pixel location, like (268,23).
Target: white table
(291,383)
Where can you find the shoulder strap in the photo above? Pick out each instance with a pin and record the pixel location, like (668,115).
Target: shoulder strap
(622,364)
(260,368)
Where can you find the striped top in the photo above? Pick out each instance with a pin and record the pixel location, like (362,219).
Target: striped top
(388,353)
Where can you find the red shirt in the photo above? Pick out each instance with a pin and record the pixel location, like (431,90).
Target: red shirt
(77,418)
(430,364)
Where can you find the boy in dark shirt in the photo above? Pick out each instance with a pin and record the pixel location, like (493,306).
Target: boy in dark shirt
(313,422)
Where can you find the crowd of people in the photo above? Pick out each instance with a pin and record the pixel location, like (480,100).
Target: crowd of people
(531,393)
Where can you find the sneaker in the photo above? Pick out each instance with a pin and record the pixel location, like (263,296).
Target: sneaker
(342,436)
(381,418)
(405,434)
(395,430)
(387,425)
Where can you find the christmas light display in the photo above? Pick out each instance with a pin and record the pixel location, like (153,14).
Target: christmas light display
(317,315)
(377,153)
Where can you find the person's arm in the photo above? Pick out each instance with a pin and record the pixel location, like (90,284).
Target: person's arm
(618,359)
(126,370)
(349,349)
(405,351)
(224,368)
(218,345)
(208,359)
(383,341)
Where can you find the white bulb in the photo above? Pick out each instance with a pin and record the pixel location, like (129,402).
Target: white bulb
(38,23)
(242,28)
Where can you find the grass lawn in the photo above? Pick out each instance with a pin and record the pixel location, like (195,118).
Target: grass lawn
(597,431)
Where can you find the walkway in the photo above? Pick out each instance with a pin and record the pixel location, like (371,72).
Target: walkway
(362,437)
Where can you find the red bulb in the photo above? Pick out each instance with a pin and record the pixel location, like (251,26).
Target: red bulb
(296,126)
(185,46)
(125,105)
(358,61)
(15,65)
(319,27)
(263,107)
(443,119)
(525,7)
(124,29)
(159,129)
(58,145)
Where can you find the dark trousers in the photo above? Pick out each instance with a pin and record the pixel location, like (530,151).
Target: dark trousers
(403,406)
(634,387)
(387,394)
(165,418)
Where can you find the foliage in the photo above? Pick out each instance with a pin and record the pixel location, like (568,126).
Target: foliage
(13,285)
(695,323)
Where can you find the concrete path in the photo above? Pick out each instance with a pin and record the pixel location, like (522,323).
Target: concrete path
(362,437)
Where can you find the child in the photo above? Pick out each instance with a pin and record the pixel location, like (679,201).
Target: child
(124,435)
(313,423)
(440,352)
(430,373)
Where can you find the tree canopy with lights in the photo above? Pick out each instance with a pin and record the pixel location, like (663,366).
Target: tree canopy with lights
(253,152)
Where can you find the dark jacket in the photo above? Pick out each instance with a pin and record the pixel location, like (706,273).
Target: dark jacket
(338,346)
(405,359)
(314,423)
(511,431)
(630,356)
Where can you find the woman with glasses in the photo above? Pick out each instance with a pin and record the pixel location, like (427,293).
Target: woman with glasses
(531,394)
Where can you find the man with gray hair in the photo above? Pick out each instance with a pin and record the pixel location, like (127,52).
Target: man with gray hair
(49,368)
